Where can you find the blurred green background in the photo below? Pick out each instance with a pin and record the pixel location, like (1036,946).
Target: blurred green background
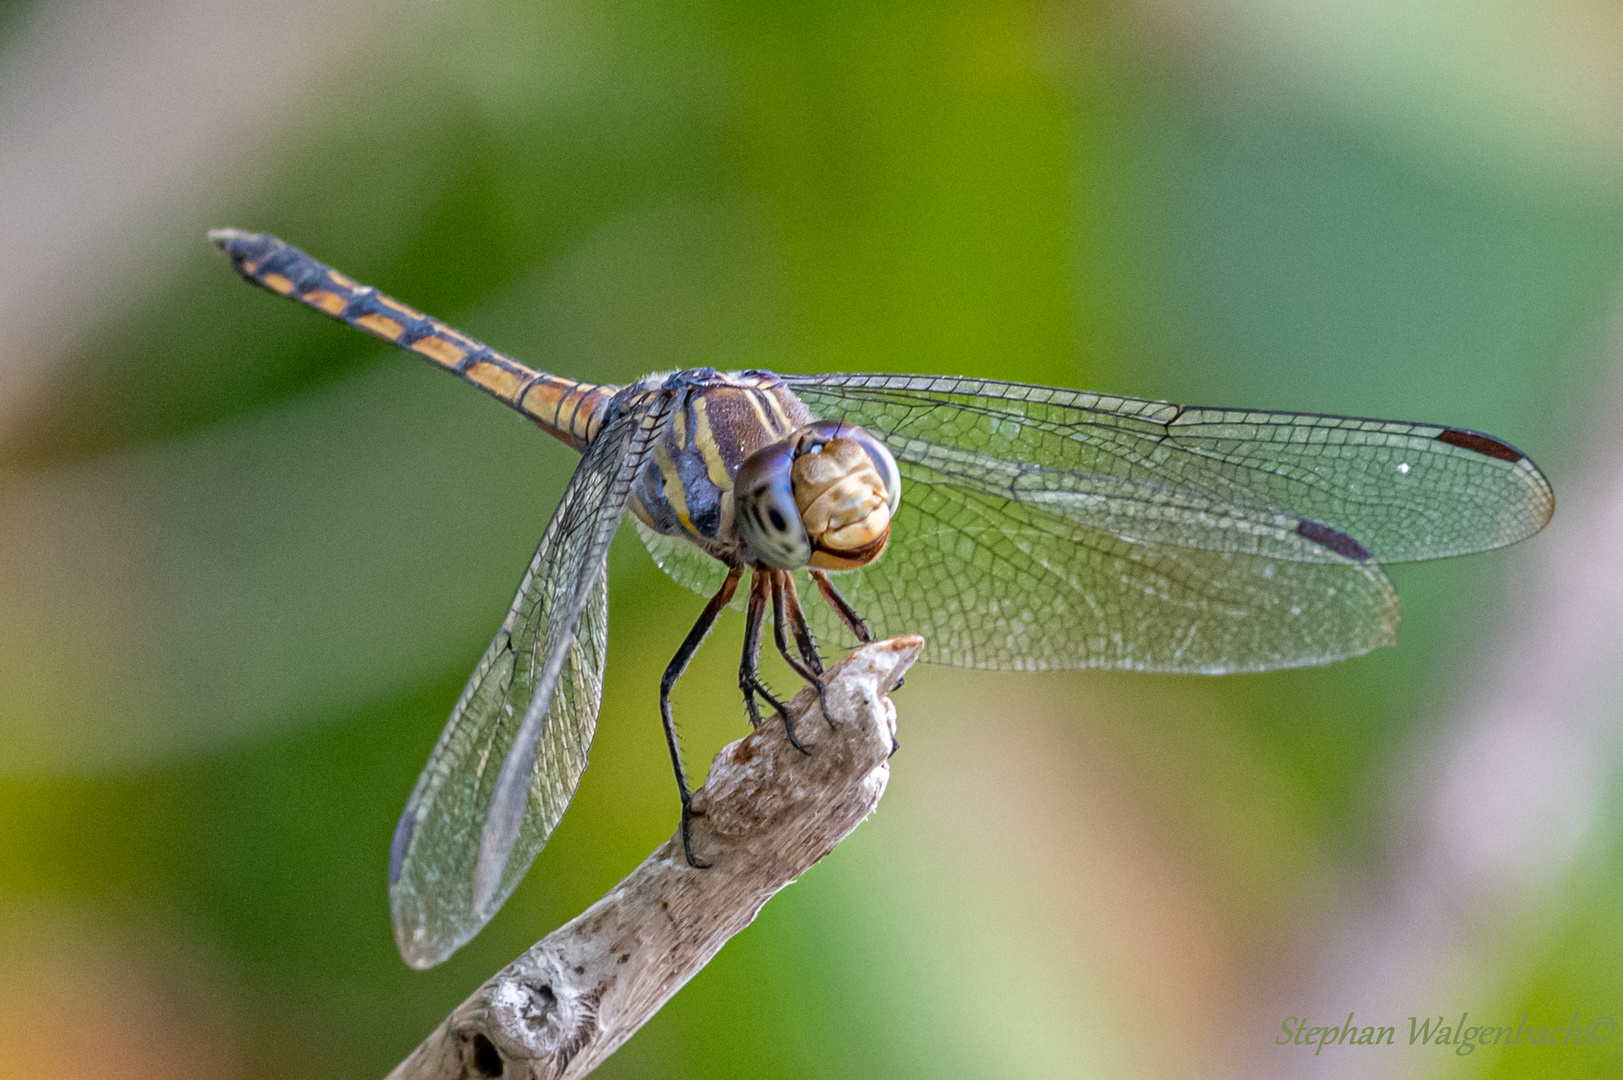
(248,556)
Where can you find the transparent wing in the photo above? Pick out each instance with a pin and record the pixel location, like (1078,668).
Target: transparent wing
(1403,491)
(995,583)
(1042,527)
(516,744)
(686,563)
(991,583)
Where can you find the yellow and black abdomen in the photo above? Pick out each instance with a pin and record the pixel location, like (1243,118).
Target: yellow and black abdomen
(565,408)
(687,491)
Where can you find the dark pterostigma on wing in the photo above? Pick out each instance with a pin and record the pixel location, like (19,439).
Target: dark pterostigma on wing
(514,749)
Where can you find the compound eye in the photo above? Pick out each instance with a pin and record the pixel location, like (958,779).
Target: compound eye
(764,509)
(844,500)
(815,436)
(882,461)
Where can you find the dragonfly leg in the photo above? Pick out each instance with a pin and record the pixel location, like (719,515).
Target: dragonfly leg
(786,606)
(749,670)
(842,607)
(673,671)
(848,615)
(853,622)
(798,627)
(750,666)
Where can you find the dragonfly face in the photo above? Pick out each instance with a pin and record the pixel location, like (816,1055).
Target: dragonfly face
(823,498)
(1040,528)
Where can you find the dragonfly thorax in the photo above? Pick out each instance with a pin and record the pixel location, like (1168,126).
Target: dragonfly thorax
(822,497)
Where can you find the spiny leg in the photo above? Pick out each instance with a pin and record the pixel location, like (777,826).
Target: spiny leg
(673,671)
(842,607)
(750,664)
(783,597)
(848,614)
(853,622)
(749,670)
(798,627)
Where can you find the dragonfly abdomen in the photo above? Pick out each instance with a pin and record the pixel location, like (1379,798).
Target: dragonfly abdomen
(567,409)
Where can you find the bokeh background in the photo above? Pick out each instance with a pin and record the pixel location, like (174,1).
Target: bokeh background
(248,556)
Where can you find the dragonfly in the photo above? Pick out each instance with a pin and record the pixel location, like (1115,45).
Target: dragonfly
(1015,527)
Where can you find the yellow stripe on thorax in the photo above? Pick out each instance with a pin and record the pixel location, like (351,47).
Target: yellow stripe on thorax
(704,439)
(675,493)
(781,428)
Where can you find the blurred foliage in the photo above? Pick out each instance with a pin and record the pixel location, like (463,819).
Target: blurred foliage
(252,555)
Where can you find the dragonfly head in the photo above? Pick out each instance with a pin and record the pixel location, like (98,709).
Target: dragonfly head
(822,497)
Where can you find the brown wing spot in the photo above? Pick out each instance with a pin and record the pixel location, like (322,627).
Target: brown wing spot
(440,351)
(496,379)
(1334,539)
(341,281)
(1480,443)
(330,302)
(381,325)
(402,308)
(278,282)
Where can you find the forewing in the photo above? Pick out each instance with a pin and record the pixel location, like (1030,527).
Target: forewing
(1051,528)
(1403,491)
(516,744)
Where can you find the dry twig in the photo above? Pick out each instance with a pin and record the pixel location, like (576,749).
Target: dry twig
(768,814)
